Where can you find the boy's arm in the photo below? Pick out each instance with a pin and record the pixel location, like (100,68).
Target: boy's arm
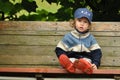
(96,52)
(59,51)
(96,57)
(61,48)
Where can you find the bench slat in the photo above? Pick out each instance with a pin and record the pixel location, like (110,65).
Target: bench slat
(55,33)
(37,55)
(47,50)
(27,40)
(50,40)
(48,60)
(56,70)
(36,25)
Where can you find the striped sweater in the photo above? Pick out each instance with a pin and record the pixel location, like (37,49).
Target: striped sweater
(78,45)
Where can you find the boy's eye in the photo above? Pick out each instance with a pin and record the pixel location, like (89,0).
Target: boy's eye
(82,21)
(85,21)
(79,20)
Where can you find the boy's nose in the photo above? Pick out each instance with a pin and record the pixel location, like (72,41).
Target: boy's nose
(82,23)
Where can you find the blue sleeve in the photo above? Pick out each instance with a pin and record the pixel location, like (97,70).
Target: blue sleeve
(59,51)
(96,57)
(61,46)
(96,52)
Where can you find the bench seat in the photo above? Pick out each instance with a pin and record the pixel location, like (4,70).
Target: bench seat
(55,70)
(27,47)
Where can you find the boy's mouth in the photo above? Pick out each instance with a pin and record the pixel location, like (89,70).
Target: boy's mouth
(81,28)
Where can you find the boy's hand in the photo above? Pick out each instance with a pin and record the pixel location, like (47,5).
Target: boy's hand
(94,67)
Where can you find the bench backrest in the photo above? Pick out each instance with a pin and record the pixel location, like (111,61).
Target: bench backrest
(32,43)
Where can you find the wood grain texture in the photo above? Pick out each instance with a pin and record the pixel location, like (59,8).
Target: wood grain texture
(32,43)
(57,70)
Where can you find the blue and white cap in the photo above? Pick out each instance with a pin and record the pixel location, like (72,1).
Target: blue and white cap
(83,12)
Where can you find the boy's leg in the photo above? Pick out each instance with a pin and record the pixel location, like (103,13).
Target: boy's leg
(66,63)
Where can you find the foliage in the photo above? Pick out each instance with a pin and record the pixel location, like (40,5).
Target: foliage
(103,10)
(10,9)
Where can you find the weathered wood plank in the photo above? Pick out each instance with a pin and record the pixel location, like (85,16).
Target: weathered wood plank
(55,70)
(28,59)
(27,40)
(27,25)
(48,60)
(38,25)
(95,33)
(110,61)
(25,32)
(111,51)
(47,50)
(10,54)
(49,40)
(108,41)
(25,50)
(56,33)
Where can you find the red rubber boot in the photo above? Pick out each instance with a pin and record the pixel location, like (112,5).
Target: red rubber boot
(84,66)
(66,63)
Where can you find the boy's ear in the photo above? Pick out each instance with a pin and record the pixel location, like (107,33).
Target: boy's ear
(90,26)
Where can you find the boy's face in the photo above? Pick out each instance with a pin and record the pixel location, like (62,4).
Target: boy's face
(82,24)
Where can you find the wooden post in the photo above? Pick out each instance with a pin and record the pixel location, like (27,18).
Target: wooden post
(39,77)
(117,77)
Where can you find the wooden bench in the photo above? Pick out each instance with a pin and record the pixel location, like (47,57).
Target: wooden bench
(27,49)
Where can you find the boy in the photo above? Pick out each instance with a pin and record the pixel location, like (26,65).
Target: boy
(79,49)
